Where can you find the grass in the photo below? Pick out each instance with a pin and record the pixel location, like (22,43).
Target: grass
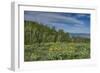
(56,51)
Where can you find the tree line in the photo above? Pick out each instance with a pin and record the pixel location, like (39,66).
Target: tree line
(39,33)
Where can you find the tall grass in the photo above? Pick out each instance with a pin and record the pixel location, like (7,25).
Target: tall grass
(56,51)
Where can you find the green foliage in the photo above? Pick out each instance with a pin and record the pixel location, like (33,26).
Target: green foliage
(39,33)
(42,42)
(57,51)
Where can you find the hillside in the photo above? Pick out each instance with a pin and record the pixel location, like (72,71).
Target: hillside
(37,33)
(42,42)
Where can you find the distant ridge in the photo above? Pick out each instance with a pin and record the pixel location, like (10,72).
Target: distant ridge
(84,35)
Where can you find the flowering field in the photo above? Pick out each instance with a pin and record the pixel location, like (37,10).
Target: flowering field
(56,51)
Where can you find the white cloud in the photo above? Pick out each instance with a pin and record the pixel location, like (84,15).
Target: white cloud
(52,17)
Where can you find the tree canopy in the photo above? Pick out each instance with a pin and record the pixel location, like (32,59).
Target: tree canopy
(37,33)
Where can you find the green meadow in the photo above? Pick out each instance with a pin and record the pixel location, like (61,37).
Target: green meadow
(42,43)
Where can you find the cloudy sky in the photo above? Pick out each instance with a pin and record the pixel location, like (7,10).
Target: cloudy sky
(69,22)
